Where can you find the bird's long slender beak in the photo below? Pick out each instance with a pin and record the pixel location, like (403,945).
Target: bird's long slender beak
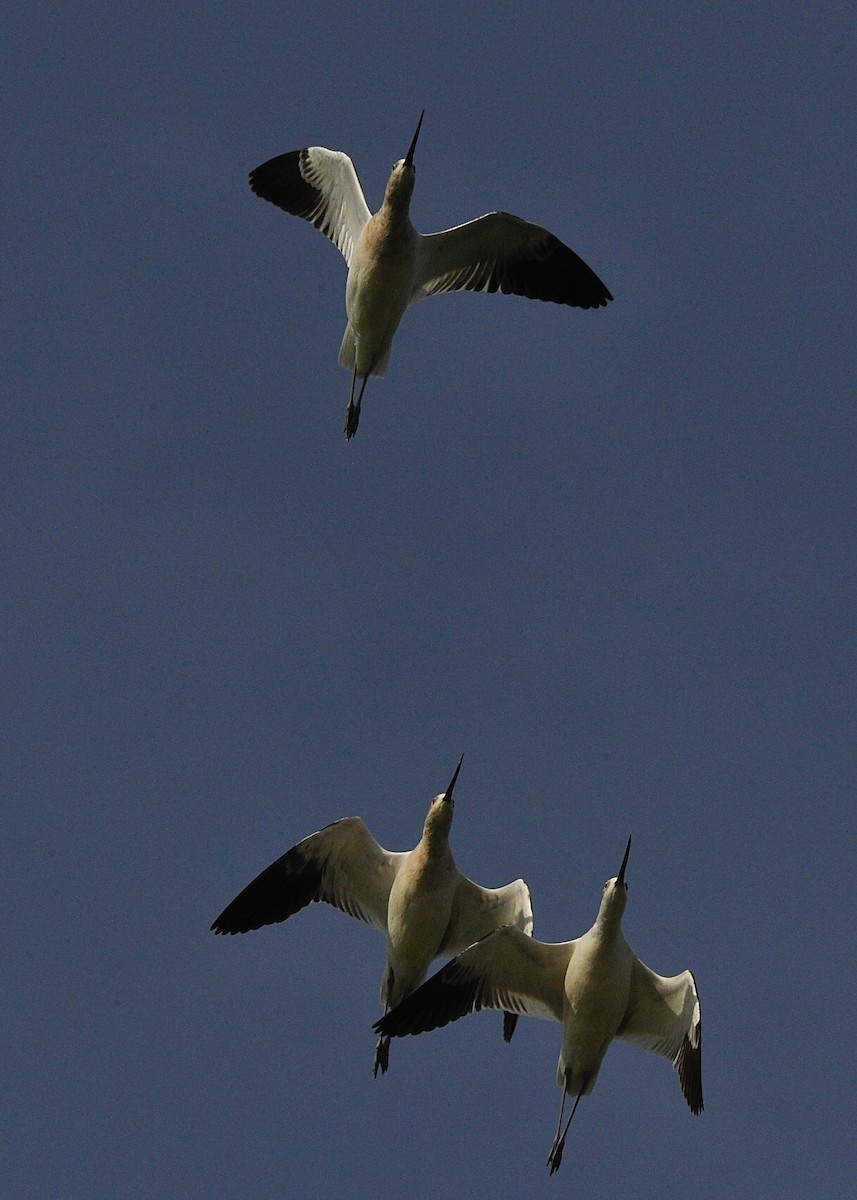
(409,157)
(620,878)
(448,793)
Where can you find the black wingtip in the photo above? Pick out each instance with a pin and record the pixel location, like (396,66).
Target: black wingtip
(446,997)
(688,1064)
(510,1021)
(280,181)
(285,887)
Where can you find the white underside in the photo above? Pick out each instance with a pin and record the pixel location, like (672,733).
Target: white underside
(348,354)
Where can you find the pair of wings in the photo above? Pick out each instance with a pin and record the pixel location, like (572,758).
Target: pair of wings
(344,866)
(521,975)
(495,252)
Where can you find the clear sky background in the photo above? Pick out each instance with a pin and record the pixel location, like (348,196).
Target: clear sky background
(610,556)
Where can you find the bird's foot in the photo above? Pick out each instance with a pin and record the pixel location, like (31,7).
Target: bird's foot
(382,1057)
(352,420)
(555,1156)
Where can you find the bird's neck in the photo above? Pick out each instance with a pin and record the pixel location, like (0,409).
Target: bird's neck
(435,842)
(396,215)
(397,203)
(608,925)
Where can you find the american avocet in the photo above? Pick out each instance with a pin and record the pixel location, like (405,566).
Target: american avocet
(390,265)
(595,986)
(418,899)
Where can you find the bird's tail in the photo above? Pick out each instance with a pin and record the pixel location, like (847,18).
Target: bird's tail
(348,349)
(348,355)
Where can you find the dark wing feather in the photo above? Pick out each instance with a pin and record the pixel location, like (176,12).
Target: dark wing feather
(664,1017)
(319,185)
(341,865)
(507,969)
(502,252)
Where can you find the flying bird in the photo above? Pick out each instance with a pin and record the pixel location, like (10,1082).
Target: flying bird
(418,898)
(390,265)
(595,986)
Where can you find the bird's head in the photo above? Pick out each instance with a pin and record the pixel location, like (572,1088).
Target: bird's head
(439,818)
(615,894)
(400,185)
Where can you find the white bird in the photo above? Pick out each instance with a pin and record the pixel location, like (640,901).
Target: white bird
(418,899)
(390,265)
(595,986)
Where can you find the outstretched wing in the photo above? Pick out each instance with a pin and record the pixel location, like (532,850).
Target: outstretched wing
(664,1016)
(501,252)
(507,970)
(342,865)
(477,911)
(322,187)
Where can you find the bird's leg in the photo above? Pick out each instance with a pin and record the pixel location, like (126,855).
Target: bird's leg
(559,1123)
(555,1156)
(382,1057)
(351,420)
(382,1052)
(352,413)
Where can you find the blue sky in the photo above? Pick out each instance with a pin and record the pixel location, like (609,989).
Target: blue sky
(610,556)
